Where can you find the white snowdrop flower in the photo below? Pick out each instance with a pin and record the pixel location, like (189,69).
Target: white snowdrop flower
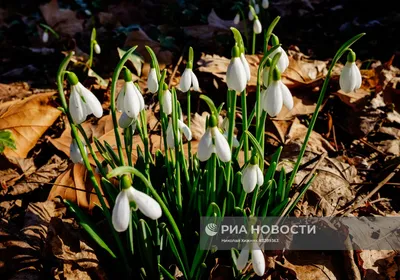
(213,142)
(246,66)
(75,153)
(251,16)
(167,101)
(182,127)
(266,71)
(283,61)
(45,36)
(257,8)
(97,48)
(252,175)
(257,259)
(257,28)
(125,121)
(236,77)
(236,20)
(225,125)
(276,95)
(350,77)
(130,100)
(122,209)
(265,4)
(82,101)
(188,80)
(152,81)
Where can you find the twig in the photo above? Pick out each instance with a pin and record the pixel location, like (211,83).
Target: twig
(175,70)
(378,187)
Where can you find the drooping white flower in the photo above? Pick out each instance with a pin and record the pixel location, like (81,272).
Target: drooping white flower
(236,77)
(265,4)
(276,95)
(75,153)
(82,101)
(266,71)
(182,127)
(225,125)
(236,20)
(246,66)
(167,101)
(130,100)
(45,36)
(350,77)
(251,16)
(125,121)
(152,82)
(257,259)
(257,28)
(122,210)
(283,61)
(257,8)
(97,48)
(252,176)
(188,80)
(213,142)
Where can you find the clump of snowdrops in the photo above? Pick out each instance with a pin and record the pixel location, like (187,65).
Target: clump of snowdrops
(152,216)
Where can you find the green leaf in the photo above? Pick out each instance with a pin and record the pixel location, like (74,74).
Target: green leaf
(136,60)
(166,273)
(175,252)
(210,104)
(99,79)
(6,140)
(255,145)
(87,225)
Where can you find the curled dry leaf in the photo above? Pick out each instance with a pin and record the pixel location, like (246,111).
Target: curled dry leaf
(27,119)
(378,264)
(14,90)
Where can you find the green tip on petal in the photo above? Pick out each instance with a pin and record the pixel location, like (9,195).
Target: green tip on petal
(275,40)
(351,56)
(72,78)
(268,62)
(189,65)
(254,160)
(126,182)
(190,60)
(276,75)
(165,86)
(213,121)
(127,75)
(235,51)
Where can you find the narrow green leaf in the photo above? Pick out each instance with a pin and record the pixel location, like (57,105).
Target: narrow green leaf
(255,145)
(210,104)
(136,60)
(175,252)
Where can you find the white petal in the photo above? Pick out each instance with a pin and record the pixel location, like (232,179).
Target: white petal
(236,20)
(257,28)
(76,106)
(258,261)
(146,204)
(235,142)
(273,99)
(257,8)
(357,77)
(75,153)
(45,37)
(205,147)
(93,105)
(260,177)
(265,4)
(120,99)
(140,98)
(152,82)
(245,66)
(250,15)
(265,76)
(170,135)
(167,102)
(286,96)
(125,121)
(97,49)
(249,178)
(186,80)
(195,82)
(345,81)
(283,61)
(243,258)
(236,75)
(185,129)
(131,101)
(121,212)
(221,145)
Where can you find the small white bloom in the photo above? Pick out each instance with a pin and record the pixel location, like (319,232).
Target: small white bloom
(266,75)
(236,77)
(125,121)
(219,146)
(188,80)
(250,15)
(350,77)
(257,259)
(265,4)
(130,100)
(245,66)
(283,61)
(152,82)
(236,20)
(257,28)
(97,48)
(252,176)
(167,102)
(276,95)
(182,127)
(75,153)
(82,102)
(45,37)
(122,210)
(257,8)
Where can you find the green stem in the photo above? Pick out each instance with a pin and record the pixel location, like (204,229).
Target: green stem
(244,126)
(190,156)
(232,115)
(253,49)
